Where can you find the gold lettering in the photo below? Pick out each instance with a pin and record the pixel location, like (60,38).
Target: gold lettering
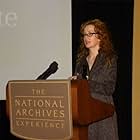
(37,113)
(41,113)
(57,125)
(55,113)
(54,104)
(39,124)
(31,124)
(47,103)
(31,112)
(49,112)
(40,103)
(60,102)
(24,103)
(27,123)
(19,123)
(17,102)
(51,125)
(62,114)
(24,112)
(38,91)
(18,112)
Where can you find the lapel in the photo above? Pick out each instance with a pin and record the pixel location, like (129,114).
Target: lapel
(97,66)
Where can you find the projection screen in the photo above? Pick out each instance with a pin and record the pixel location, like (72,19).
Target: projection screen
(33,34)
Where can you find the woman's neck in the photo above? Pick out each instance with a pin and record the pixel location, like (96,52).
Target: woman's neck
(93,52)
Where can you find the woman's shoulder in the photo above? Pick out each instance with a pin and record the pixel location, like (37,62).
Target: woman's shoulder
(109,59)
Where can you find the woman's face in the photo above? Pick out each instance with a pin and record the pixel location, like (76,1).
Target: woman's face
(90,37)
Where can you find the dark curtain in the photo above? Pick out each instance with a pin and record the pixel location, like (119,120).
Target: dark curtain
(118,14)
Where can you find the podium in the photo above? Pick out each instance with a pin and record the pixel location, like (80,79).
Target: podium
(85,109)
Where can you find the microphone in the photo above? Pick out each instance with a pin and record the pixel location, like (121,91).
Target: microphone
(52,69)
(84,73)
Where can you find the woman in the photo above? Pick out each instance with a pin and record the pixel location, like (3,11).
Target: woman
(97,62)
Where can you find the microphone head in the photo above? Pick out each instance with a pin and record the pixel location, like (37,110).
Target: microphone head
(51,70)
(53,67)
(84,73)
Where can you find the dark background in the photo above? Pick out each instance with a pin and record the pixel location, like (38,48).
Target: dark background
(118,14)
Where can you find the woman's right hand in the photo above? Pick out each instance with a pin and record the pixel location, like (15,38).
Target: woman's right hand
(74,77)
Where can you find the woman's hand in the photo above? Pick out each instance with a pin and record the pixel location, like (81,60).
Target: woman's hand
(74,77)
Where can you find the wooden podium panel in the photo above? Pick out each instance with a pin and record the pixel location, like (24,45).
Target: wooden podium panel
(85,109)
(40,109)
